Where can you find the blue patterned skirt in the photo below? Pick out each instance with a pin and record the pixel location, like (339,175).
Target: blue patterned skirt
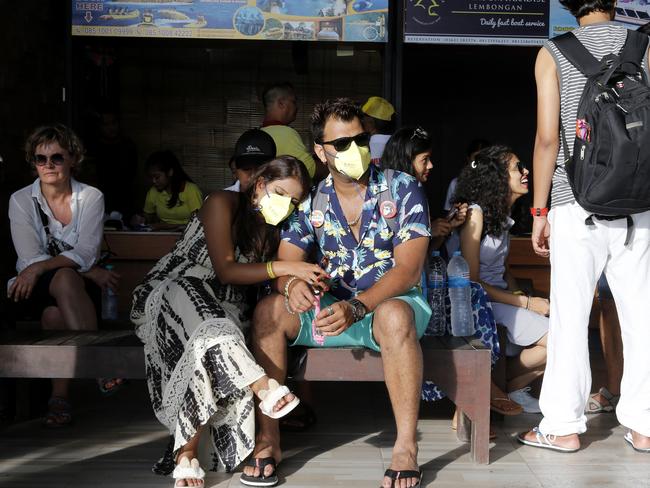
(486,331)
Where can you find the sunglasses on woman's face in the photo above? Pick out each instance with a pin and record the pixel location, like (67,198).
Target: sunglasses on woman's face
(56,159)
(343,143)
(521,167)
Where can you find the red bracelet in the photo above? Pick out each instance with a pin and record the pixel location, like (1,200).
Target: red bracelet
(538,212)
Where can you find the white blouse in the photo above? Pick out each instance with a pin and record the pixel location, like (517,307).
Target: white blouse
(83,234)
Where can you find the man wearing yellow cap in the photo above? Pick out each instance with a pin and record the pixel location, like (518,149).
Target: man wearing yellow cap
(378,121)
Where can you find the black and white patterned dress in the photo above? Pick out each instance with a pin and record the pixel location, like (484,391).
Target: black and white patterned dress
(198,366)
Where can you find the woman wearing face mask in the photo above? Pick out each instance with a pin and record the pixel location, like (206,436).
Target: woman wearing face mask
(173,196)
(192,311)
(492,183)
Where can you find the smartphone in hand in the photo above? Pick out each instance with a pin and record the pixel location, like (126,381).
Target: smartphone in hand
(452,213)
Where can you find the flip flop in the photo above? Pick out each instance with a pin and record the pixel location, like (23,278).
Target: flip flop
(544,441)
(268,399)
(260,480)
(396,475)
(515,409)
(630,440)
(186,469)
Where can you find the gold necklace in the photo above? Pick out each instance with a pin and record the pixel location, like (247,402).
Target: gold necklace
(355,221)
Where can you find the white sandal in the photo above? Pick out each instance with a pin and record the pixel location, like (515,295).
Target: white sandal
(187,469)
(630,440)
(269,398)
(545,441)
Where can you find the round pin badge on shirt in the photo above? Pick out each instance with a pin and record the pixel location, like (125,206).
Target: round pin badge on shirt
(388,209)
(317,218)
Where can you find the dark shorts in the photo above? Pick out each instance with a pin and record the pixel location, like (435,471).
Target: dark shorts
(40,298)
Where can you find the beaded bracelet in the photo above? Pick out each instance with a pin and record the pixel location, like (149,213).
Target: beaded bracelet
(269,270)
(286,294)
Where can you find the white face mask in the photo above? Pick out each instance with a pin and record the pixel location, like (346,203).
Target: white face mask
(275,208)
(354,161)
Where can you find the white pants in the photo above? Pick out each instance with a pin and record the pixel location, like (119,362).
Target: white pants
(579,253)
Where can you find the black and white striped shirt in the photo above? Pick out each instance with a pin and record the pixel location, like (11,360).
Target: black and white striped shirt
(600,39)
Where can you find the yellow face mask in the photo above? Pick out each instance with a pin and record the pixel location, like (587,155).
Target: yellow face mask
(275,208)
(354,161)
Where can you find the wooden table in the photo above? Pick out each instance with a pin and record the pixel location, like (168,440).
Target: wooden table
(135,254)
(524,263)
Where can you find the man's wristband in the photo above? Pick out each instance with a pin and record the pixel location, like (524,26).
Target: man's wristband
(359,309)
(538,212)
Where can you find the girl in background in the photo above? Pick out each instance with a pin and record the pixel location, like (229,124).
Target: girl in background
(173,196)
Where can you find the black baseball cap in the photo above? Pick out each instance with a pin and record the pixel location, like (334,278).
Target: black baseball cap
(253,148)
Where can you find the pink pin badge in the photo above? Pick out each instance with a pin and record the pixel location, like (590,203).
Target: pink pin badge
(317,218)
(388,209)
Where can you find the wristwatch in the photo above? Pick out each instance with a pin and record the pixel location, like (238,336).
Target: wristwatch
(359,310)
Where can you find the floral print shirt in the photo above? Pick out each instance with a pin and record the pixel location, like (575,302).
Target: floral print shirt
(356,266)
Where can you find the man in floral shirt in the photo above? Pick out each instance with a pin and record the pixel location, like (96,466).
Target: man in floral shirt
(373,245)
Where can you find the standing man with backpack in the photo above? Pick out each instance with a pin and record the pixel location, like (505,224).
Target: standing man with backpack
(599,220)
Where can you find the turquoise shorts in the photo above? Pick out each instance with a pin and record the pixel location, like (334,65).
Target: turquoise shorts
(359,334)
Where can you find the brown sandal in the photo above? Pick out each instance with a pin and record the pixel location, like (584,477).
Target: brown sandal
(505,406)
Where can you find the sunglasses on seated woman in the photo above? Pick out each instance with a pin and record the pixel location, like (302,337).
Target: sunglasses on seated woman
(56,159)
(343,143)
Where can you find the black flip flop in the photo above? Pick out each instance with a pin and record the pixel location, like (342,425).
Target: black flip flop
(260,480)
(396,475)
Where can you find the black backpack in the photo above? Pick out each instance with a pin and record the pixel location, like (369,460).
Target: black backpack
(610,169)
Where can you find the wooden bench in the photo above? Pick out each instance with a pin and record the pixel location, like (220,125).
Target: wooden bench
(460,366)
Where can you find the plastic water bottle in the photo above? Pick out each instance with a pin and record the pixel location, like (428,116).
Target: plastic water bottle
(109,301)
(436,291)
(462,320)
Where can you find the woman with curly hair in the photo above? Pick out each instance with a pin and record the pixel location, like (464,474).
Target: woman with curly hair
(491,184)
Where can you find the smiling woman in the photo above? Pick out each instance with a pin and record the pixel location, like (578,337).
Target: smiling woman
(56,228)
(491,184)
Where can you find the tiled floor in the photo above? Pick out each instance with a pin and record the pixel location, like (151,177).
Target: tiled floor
(114,442)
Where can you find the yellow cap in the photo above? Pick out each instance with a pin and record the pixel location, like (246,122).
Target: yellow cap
(378,108)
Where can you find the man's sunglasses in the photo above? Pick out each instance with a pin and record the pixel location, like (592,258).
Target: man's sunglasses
(56,159)
(343,143)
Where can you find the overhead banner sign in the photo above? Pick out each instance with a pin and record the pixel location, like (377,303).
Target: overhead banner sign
(508,22)
(629,13)
(295,20)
